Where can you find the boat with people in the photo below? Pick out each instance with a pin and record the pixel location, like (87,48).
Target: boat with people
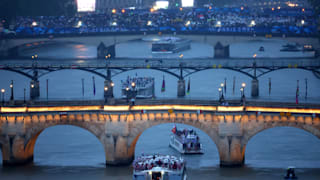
(159,167)
(170,45)
(142,87)
(185,141)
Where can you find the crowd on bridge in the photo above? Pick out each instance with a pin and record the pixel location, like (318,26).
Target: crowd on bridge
(295,21)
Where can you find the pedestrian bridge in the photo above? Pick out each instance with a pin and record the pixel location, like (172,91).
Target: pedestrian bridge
(118,127)
(7,45)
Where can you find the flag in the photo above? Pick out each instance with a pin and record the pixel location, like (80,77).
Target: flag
(94,86)
(269,86)
(306,95)
(163,87)
(82,80)
(47,88)
(297,92)
(188,88)
(234,84)
(225,86)
(174,129)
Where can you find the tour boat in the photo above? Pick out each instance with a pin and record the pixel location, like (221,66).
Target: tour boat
(170,45)
(186,141)
(138,87)
(159,167)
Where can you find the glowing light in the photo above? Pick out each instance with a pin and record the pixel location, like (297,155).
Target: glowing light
(112,84)
(34,23)
(218,24)
(252,23)
(114,23)
(302,22)
(86,5)
(279,7)
(303,9)
(188,23)
(254,56)
(3,90)
(187,3)
(79,24)
(123,10)
(181,9)
(181,56)
(105,88)
(158,108)
(149,23)
(230,108)
(272,9)
(162,4)
(152,10)
(241,8)
(243,84)
(114,11)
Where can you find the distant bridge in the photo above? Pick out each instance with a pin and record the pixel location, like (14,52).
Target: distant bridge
(179,68)
(34,42)
(118,127)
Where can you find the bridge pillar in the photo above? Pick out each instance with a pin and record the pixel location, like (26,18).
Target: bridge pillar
(255,87)
(231,151)
(117,151)
(34,89)
(181,88)
(14,151)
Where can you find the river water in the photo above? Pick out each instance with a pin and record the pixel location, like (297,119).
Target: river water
(69,152)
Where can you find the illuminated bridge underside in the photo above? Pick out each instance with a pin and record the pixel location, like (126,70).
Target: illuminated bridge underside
(118,127)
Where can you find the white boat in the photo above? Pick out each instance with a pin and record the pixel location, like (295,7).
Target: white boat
(170,45)
(186,141)
(159,167)
(138,87)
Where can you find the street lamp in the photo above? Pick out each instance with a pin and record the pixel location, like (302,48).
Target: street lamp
(222,85)
(2,92)
(243,97)
(11,87)
(127,93)
(105,88)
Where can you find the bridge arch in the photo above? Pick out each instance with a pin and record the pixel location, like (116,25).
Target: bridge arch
(28,142)
(288,68)
(276,135)
(58,136)
(140,128)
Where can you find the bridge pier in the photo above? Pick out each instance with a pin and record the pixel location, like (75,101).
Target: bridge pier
(255,87)
(117,151)
(231,151)
(15,152)
(34,89)
(181,88)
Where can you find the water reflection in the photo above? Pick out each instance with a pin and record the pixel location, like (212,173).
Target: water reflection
(68,146)
(280,147)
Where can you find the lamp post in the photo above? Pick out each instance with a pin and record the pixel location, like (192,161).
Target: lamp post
(24,95)
(127,93)
(2,92)
(11,87)
(220,95)
(222,85)
(243,97)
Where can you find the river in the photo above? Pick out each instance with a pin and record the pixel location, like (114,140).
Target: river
(68,152)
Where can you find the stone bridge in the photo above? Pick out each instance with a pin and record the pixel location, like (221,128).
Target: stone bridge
(118,128)
(9,44)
